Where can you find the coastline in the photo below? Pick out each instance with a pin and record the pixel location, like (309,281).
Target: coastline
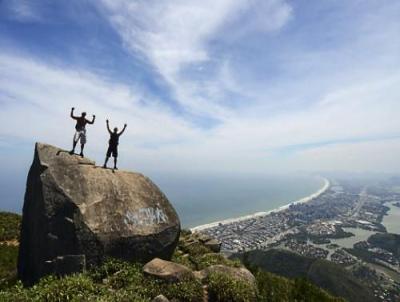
(260,214)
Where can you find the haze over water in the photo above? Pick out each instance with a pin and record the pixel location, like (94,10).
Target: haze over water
(200,200)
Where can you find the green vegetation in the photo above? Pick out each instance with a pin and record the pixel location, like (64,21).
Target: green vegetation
(327,275)
(195,255)
(222,287)
(8,265)
(389,242)
(273,288)
(120,281)
(9,226)
(113,281)
(386,241)
(116,280)
(303,236)
(9,236)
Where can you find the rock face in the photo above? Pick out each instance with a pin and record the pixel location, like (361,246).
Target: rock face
(167,270)
(74,208)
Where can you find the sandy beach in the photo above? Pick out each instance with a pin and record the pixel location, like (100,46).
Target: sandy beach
(260,214)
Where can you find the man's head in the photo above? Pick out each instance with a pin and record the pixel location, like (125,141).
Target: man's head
(115,130)
(83,114)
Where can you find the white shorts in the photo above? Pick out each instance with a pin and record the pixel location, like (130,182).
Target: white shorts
(80,135)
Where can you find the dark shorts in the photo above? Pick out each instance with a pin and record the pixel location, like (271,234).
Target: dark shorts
(112,150)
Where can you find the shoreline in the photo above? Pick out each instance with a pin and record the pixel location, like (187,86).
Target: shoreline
(260,214)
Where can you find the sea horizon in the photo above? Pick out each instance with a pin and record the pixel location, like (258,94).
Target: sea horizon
(305,199)
(204,200)
(200,199)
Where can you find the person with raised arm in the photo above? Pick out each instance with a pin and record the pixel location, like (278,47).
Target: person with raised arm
(113,144)
(80,133)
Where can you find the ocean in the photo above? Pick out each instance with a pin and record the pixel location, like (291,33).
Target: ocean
(205,199)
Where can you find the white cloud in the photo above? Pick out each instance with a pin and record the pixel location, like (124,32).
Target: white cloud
(36,98)
(353,111)
(174,36)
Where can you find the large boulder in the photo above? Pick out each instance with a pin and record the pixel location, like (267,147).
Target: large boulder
(72,207)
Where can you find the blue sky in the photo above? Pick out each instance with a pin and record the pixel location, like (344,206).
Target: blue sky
(230,86)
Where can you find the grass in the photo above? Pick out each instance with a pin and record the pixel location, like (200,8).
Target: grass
(114,281)
(224,288)
(9,236)
(8,265)
(9,226)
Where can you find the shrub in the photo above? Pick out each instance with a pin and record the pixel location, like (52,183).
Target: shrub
(128,280)
(8,265)
(109,268)
(272,288)
(189,290)
(9,226)
(72,288)
(224,288)
(209,259)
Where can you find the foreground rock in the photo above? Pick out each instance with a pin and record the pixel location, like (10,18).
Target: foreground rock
(167,270)
(73,208)
(160,298)
(238,273)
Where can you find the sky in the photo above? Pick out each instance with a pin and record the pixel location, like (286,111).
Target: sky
(211,86)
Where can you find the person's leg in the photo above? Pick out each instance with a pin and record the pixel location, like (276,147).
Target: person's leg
(108,154)
(82,147)
(83,141)
(105,162)
(115,155)
(73,148)
(74,142)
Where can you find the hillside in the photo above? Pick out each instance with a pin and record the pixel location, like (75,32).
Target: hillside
(324,274)
(117,280)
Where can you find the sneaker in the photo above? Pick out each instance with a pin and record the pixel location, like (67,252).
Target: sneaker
(115,168)
(81,154)
(71,152)
(104,166)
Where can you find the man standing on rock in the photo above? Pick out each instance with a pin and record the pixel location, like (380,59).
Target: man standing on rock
(113,144)
(80,134)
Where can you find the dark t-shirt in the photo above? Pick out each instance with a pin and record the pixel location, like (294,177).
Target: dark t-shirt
(114,139)
(80,123)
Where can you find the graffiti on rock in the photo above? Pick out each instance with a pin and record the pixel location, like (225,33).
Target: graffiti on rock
(145,216)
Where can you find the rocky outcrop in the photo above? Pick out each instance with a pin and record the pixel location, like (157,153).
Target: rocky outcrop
(167,270)
(74,209)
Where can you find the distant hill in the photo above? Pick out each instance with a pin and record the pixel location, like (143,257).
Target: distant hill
(386,241)
(322,273)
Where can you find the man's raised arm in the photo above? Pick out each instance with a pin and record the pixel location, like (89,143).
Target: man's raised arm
(108,127)
(92,121)
(72,113)
(123,129)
